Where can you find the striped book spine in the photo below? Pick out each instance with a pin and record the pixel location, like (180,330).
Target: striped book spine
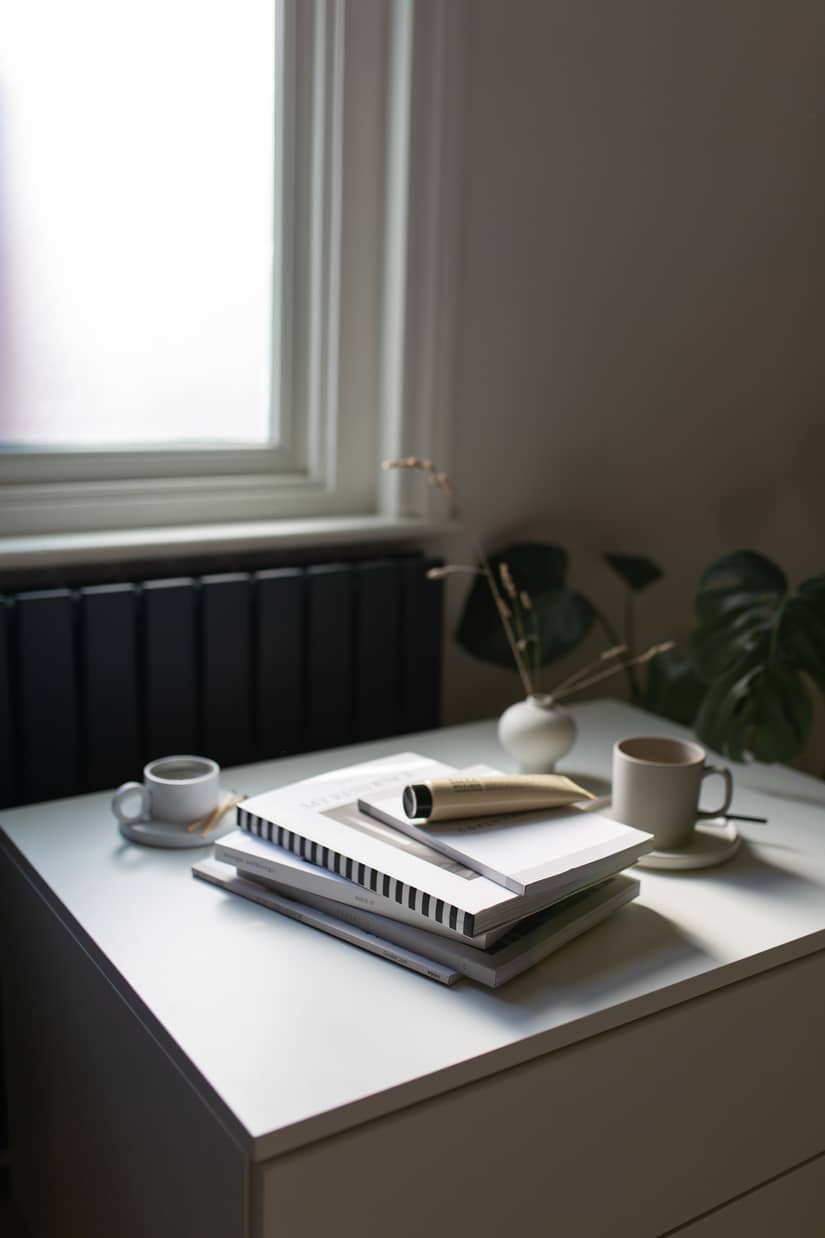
(360,874)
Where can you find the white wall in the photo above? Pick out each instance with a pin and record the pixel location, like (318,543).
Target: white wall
(641,359)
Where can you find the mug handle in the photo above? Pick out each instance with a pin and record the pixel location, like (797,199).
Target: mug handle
(127,788)
(728,777)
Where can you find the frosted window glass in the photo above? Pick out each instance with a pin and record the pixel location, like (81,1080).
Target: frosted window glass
(135,221)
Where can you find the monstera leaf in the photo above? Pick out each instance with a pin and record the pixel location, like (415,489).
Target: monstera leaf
(756,637)
(559,619)
(637,571)
(673,688)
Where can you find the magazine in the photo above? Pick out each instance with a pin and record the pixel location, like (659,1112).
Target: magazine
(526,943)
(528,852)
(319,819)
(256,857)
(223,875)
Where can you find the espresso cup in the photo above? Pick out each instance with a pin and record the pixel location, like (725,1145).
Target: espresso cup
(175,790)
(656,785)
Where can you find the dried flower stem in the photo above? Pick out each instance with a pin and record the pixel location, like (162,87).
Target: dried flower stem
(453,569)
(614,652)
(435,477)
(535,635)
(504,612)
(516,610)
(637,661)
(441,481)
(517,604)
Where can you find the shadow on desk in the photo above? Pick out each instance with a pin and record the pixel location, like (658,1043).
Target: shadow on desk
(757,871)
(639,948)
(627,948)
(815,798)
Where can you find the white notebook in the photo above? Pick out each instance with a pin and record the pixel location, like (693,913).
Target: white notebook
(529,852)
(320,820)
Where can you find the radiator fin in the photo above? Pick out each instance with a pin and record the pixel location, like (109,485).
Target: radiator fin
(7,762)
(279,634)
(49,718)
(378,705)
(422,616)
(109,670)
(330,655)
(226,668)
(170,681)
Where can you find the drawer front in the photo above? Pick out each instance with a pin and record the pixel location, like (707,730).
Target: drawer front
(626,1135)
(793,1205)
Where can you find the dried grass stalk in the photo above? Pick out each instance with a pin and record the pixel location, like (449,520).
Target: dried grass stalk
(512,617)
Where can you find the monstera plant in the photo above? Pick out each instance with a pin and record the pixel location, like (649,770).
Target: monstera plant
(549,618)
(756,642)
(561,617)
(744,681)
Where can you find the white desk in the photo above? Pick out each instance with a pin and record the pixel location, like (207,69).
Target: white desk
(183,1062)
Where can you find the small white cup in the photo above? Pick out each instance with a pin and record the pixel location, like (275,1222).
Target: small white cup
(175,790)
(656,785)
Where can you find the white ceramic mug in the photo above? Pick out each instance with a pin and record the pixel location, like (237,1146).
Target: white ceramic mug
(656,785)
(175,790)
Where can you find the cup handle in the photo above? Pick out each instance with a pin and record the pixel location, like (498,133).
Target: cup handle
(728,777)
(128,788)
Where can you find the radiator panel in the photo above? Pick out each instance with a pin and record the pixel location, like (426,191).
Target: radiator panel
(279,627)
(330,655)
(50,748)
(109,672)
(6,689)
(96,681)
(226,672)
(378,704)
(421,620)
(171,692)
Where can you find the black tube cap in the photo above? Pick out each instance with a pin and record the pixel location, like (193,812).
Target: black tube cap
(418,800)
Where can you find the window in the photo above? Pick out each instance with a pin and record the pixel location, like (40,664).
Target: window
(227,257)
(139,219)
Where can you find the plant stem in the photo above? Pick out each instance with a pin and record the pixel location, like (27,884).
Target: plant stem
(613,638)
(442,482)
(536,649)
(501,606)
(586,683)
(589,669)
(630,641)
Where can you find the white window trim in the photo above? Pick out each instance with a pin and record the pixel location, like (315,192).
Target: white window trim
(386,298)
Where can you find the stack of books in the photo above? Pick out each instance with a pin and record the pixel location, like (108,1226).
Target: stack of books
(482,897)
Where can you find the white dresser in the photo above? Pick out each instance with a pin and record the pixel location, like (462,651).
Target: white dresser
(183,1063)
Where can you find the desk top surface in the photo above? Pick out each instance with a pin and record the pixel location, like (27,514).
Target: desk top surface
(293,1036)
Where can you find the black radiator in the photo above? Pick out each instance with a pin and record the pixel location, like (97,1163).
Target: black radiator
(240,666)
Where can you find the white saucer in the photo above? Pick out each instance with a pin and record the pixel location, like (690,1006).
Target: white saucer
(709,845)
(175,834)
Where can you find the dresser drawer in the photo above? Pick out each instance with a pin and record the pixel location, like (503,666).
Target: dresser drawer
(626,1135)
(793,1205)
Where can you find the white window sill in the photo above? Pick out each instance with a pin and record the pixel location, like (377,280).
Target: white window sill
(61,549)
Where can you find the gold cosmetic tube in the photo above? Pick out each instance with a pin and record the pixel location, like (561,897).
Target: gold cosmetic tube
(445,799)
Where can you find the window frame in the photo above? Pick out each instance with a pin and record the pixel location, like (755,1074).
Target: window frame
(369,111)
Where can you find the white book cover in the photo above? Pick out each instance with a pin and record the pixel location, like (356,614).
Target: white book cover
(320,818)
(526,944)
(224,876)
(528,852)
(258,858)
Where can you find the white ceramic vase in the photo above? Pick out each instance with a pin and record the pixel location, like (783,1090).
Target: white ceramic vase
(536,733)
